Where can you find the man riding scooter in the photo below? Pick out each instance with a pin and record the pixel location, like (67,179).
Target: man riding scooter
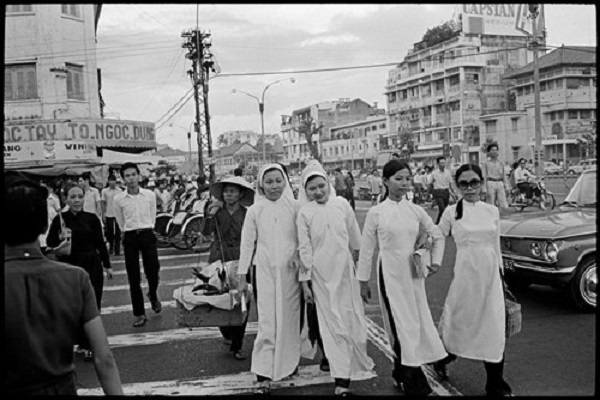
(523,180)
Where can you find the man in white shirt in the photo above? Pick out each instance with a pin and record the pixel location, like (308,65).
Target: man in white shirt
(164,195)
(91,196)
(442,186)
(495,182)
(522,179)
(135,211)
(418,182)
(113,233)
(375,186)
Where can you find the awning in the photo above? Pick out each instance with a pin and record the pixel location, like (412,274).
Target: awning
(116,159)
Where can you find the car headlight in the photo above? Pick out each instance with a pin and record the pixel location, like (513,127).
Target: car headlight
(551,251)
(536,249)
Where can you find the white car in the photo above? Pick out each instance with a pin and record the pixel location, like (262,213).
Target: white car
(582,166)
(551,168)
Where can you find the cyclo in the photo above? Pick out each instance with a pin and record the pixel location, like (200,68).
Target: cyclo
(181,226)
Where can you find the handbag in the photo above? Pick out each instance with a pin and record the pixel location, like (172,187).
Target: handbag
(512,311)
(64,247)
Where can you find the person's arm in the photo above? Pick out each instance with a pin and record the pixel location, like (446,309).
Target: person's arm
(367,252)
(353,230)
(496,214)
(248,241)
(98,204)
(100,245)
(484,171)
(53,240)
(104,362)
(438,241)
(104,202)
(153,209)
(118,210)
(305,248)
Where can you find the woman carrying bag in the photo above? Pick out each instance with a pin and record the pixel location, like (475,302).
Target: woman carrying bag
(87,247)
(225,223)
(473,320)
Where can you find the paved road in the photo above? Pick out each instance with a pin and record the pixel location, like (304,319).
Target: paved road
(553,355)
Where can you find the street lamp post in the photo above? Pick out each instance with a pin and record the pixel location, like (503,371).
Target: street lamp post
(261,109)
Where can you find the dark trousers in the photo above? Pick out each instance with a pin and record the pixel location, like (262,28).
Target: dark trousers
(113,235)
(134,243)
(350,197)
(412,378)
(236,333)
(495,384)
(527,187)
(64,386)
(441,197)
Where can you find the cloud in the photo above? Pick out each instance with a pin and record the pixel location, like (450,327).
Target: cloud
(346,38)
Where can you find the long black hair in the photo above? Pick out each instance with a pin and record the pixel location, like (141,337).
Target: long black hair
(459,171)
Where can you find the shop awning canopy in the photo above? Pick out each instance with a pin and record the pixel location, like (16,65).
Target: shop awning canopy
(115,158)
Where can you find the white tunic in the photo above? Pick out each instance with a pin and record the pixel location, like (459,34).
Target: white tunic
(327,233)
(394,227)
(472,323)
(270,226)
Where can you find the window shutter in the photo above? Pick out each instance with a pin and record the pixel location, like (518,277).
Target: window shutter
(8,88)
(20,84)
(65,8)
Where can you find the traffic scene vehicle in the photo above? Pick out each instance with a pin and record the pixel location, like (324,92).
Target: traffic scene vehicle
(545,201)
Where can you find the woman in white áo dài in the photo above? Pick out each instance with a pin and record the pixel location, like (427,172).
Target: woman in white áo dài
(329,237)
(270,229)
(394,226)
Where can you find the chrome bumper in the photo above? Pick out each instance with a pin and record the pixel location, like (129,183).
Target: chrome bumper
(512,263)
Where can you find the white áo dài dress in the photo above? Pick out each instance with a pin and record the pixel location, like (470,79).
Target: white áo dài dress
(270,227)
(472,323)
(395,227)
(327,234)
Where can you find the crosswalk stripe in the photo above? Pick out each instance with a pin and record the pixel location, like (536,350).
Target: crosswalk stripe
(165,258)
(181,282)
(243,382)
(165,268)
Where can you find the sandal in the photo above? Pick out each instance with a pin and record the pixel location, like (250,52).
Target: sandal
(240,355)
(263,388)
(344,391)
(88,355)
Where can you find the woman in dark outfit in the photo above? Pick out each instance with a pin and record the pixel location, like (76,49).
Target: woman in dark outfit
(225,224)
(88,250)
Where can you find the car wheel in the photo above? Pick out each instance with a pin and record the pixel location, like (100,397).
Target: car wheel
(583,285)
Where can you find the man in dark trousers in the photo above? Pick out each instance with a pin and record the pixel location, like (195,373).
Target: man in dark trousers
(442,186)
(135,211)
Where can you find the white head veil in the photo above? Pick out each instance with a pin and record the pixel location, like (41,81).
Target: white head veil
(260,191)
(313,168)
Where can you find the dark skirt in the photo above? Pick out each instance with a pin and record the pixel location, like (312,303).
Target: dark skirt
(89,261)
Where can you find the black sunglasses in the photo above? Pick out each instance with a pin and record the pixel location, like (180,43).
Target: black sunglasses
(464,185)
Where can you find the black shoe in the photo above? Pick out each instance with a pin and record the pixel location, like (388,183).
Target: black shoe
(324,365)
(140,321)
(440,370)
(156,306)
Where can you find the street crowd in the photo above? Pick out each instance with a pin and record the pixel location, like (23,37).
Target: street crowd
(303,258)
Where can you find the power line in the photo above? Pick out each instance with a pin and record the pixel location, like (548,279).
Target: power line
(174,113)
(175,105)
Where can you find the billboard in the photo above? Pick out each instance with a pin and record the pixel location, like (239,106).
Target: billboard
(499,19)
(49,150)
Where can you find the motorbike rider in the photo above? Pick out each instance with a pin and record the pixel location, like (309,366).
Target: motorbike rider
(523,179)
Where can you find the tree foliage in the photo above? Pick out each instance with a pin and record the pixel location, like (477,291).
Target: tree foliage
(440,33)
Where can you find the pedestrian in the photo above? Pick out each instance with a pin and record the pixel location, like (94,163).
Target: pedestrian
(340,183)
(329,241)
(473,320)
(418,183)
(395,227)
(135,211)
(47,306)
(442,187)
(113,233)
(53,204)
(92,202)
(238,172)
(375,186)
(88,250)
(350,191)
(270,230)
(225,224)
(164,196)
(495,183)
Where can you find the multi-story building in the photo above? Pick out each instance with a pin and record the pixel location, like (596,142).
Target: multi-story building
(230,157)
(567,106)
(53,110)
(438,93)
(231,137)
(354,145)
(326,114)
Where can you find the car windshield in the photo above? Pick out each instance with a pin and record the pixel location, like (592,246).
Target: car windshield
(583,192)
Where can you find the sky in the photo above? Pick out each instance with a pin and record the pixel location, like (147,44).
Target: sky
(144,66)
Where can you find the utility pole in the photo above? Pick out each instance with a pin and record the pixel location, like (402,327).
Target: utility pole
(198,44)
(534,10)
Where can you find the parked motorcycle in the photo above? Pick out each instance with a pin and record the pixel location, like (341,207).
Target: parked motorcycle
(181,227)
(545,200)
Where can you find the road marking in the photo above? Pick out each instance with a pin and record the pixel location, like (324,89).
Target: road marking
(170,267)
(375,334)
(182,282)
(165,258)
(243,382)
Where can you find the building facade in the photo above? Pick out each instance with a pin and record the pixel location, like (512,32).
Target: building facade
(567,105)
(53,109)
(438,92)
(327,115)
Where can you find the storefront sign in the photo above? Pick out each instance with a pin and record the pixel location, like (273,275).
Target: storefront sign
(99,132)
(49,150)
(499,19)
